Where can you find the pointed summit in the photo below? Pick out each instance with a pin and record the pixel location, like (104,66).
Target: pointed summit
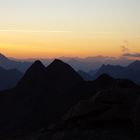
(36,68)
(37,65)
(62,75)
(58,63)
(61,69)
(57,75)
(59,66)
(34,75)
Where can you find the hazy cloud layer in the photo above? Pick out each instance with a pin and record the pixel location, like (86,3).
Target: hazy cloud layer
(132,54)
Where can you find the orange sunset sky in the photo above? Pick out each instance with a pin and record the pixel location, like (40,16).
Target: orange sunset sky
(75,28)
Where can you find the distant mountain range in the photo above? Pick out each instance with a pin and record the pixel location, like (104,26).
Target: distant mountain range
(131,72)
(85,75)
(8,63)
(84,64)
(9,78)
(54,103)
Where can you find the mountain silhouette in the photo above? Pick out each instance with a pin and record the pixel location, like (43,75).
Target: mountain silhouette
(34,76)
(62,75)
(85,75)
(57,75)
(130,72)
(40,97)
(105,78)
(56,95)
(112,110)
(9,78)
(8,63)
(135,65)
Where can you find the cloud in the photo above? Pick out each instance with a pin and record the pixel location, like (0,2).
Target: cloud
(125,49)
(131,54)
(126,52)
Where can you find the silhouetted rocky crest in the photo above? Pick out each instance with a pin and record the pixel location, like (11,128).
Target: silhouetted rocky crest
(57,75)
(57,93)
(104,78)
(62,75)
(130,72)
(135,65)
(34,76)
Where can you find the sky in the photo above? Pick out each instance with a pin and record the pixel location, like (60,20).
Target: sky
(75,28)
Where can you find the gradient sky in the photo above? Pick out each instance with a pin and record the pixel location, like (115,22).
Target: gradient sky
(53,28)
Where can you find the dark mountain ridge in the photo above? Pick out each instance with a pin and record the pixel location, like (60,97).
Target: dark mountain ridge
(33,77)
(130,72)
(134,65)
(62,75)
(58,95)
(38,98)
(58,74)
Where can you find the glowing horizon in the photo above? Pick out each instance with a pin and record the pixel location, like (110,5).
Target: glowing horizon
(76,28)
